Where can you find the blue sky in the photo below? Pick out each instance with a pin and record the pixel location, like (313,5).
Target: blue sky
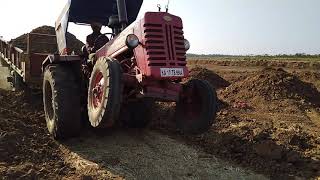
(212,26)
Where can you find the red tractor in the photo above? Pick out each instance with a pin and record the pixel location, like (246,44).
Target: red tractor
(144,62)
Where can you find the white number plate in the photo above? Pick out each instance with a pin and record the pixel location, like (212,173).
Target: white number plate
(172,72)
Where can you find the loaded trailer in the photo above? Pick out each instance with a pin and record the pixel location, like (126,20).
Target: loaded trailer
(25,65)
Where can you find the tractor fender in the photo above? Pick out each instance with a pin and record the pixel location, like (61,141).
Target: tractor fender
(56,59)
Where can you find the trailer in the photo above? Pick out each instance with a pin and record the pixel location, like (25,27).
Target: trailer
(25,65)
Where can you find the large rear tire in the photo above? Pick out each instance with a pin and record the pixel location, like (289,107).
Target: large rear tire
(197,107)
(61,99)
(104,93)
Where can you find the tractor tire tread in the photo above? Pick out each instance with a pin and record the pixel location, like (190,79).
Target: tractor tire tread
(66,93)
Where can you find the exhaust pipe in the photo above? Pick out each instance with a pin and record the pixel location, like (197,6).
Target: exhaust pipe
(122,13)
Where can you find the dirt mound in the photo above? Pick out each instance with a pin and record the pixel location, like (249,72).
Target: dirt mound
(273,84)
(214,79)
(26,150)
(264,146)
(311,77)
(46,44)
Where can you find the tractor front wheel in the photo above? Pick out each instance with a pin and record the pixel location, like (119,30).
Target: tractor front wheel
(61,101)
(104,93)
(197,107)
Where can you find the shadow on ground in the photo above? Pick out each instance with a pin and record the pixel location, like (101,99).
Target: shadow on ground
(147,154)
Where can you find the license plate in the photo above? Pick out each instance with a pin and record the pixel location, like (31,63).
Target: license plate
(172,72)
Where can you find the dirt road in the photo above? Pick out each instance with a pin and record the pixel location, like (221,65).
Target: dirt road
(149,154)
(28,152)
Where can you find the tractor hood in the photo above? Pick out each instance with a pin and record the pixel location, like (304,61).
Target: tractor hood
(87,11)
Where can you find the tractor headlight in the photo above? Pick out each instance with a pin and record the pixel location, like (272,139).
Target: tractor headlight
(186,44)
(132,41)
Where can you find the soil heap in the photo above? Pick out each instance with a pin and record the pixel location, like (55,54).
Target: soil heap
(46,44)
(214,79)
(273,84)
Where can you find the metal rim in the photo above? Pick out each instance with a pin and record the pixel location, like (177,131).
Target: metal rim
(97,93)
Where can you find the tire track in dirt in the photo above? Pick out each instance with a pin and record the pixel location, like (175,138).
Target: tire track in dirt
(136,154)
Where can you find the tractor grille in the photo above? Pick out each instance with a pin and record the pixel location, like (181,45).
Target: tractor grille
(164,45)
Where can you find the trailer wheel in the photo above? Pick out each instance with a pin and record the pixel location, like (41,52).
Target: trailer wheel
(104,93)
(17,81)
(197,107)
(61,98)
(137,114)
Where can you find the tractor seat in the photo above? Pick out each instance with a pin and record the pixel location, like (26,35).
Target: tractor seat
(114,22)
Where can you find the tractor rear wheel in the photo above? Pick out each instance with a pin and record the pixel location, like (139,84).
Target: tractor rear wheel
(104,93)
(137,114)
(197,107)
(61,99)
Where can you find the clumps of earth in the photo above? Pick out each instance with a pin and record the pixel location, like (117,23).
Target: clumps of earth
(26,149)
(214,79)
(273,84)
(263,125)
(46,44)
